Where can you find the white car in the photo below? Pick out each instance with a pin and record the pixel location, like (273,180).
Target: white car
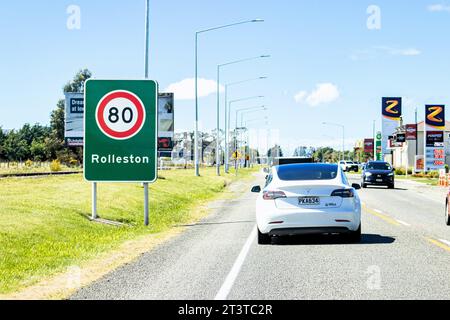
(348,166)
(308,199)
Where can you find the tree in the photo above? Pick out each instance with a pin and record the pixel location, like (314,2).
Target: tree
(57,124)
(275,151)
(77,84)
(14,148)
(2,141)
(55,143)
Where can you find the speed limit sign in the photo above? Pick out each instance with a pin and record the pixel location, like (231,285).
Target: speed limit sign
(120,114)
(120,141)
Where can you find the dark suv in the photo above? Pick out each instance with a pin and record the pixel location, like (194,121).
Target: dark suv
(378,173)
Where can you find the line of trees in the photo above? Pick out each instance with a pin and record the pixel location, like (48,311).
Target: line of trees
(44,143)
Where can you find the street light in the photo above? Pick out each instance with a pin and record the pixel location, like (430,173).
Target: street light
(236,126)
(197,165)
(251,111)
(229,120)
(247,138)
(218,105)
(343,135)
(227,115)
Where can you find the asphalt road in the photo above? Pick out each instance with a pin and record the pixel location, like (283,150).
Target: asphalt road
(404,254)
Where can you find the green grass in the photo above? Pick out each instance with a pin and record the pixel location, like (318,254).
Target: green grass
(13,169)
(428,181)
(44,225)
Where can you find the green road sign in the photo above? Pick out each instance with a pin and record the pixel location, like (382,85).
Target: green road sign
(120,126)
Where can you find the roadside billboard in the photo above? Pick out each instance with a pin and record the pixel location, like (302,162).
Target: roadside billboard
(411,132)
(166,125)
(434,137)
(74,115)
(369,146)
(391,114)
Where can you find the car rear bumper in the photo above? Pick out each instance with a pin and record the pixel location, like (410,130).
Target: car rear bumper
(309,221)
(308,231)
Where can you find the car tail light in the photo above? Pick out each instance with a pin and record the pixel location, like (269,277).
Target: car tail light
(343,193)
(272,195)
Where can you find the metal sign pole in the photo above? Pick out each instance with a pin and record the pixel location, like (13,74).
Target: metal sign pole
(94,200)
(146,211)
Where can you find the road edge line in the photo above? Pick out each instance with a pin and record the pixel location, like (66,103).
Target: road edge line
(234,272)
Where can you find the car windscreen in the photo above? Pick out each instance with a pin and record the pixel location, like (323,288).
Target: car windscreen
(378,166)
(307,172)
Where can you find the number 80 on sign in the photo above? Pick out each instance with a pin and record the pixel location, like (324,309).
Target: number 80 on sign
(120,115)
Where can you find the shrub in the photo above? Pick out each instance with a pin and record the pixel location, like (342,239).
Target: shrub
(28,163)
(55,166)
(433,174)
(400,172)
(73,162)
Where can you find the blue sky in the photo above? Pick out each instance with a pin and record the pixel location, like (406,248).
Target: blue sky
(313,44)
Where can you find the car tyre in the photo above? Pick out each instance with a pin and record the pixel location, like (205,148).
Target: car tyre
(264,239)
(447,215)
(391,186)
(364,185)
(354,236)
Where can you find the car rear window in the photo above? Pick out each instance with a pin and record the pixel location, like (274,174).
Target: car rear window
(378,166)
(307,172)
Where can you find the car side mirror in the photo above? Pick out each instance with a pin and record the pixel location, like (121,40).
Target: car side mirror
(256,189)
(356,186)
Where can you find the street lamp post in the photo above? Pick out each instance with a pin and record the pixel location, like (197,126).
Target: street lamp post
(227,117)
(236,124)
(247,143)
(229,112)
(197,164)
(218,108)
(343,135)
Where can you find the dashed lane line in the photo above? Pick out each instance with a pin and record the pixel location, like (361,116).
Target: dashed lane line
(379,214)
(439,244)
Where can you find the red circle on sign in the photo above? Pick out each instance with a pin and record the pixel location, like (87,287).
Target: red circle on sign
(121,135)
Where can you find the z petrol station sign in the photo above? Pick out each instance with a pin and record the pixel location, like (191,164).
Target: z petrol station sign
(120,130)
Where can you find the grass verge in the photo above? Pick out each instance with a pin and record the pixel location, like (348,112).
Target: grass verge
(44,225)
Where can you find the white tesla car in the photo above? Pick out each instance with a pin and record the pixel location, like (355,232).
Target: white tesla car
(308,199)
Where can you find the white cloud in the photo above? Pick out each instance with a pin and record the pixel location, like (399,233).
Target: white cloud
(324,93)
(399,52)
(376,51)
(438,8)
(185,89)
(299,97)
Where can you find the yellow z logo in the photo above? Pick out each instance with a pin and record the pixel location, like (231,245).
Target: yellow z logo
(391,105)
(434,112)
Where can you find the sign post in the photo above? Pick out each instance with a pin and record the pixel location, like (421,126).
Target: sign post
(434,137)
(120,126)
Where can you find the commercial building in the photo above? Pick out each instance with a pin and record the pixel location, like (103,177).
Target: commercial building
(403,153)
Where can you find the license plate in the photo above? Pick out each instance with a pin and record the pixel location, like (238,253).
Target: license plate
(379,180)
(309,201)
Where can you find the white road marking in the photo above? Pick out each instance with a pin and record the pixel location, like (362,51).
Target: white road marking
(378,211)
(403,223)
(231,278)
(445,241)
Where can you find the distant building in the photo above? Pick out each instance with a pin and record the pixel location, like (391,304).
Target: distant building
(403,155)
